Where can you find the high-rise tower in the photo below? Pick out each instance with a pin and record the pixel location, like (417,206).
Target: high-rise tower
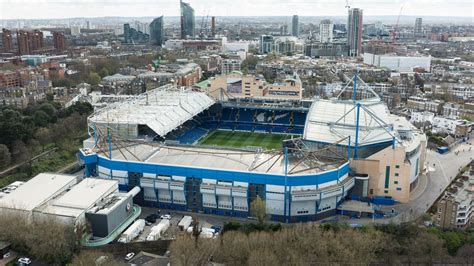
(354,31)
(295,26)
(156,31)
(188,22)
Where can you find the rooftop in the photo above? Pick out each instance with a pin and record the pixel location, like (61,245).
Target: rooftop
(331,120)
(37,191)
(162,109)
(80,198)
(216,158)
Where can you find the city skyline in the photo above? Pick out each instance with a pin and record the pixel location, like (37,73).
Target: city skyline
(36,9)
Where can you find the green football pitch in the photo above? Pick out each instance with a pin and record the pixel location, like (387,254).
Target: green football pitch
(239,139)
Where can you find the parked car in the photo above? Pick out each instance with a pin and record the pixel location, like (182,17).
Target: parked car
(151,218)
(24,261)
(166,216)
(217,228)
(129,256)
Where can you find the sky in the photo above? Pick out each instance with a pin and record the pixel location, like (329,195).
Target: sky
(40,9)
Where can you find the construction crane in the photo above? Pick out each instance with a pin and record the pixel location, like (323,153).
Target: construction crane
(347,5)
(395,29)
(204,20)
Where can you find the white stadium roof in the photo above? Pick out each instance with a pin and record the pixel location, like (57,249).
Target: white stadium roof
(332,120)
(162,109)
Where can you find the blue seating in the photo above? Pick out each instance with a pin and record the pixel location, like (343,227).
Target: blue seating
(299,118)
(218,117)
(193,135)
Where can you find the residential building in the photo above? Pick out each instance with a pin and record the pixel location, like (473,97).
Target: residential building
(354,31)
(157,31)
(23,43)
(210,64)
(326,49)
(230,65)
(188,22)
(451,110)
(456,207)
(132,35)
(59,41)
(35,38)
(7,40)
(326,28)
(284,46)
(267,44)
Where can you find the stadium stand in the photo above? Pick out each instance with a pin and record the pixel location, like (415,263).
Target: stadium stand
(244,118)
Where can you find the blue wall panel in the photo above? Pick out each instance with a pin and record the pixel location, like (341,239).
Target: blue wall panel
(249,177)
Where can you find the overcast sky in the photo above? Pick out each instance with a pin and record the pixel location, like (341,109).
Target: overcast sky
(14,9)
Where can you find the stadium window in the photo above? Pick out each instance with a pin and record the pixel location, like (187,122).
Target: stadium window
(399,188)
(395,182)
(387,176)
(396,174)
(385,191)
(397,166)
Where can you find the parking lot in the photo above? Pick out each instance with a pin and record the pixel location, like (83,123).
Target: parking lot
(173,230)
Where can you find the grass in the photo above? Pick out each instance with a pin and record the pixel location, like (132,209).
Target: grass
(237,139)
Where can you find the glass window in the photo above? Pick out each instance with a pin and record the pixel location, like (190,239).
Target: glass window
(387,176)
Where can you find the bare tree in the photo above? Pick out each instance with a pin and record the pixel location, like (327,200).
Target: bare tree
(5,156)
(258,209)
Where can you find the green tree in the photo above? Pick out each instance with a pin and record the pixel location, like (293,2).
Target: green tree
(62,82)
(41,118)
(104,72)
(94,79)
(258,209)
(48,108)
(453,241)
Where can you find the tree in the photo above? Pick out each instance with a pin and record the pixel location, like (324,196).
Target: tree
(94,79)
(48,109)
(43,135)
(62,82)
(258,209)
(41,118)
(19,151)
(5,156)
(103,72)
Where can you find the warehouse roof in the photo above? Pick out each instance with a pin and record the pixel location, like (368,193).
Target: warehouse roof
(37,191)
(81,197)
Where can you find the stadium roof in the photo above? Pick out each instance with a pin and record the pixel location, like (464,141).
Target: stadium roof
(162,109)
(331,120)
(216,158)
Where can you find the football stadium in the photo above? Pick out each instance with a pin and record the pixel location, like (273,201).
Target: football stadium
(191,152)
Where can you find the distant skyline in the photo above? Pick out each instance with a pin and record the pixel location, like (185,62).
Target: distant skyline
(50,9)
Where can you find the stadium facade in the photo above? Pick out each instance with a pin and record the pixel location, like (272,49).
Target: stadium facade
(155,141)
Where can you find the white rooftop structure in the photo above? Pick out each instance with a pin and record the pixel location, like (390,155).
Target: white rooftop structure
(81,197)
(329,121)
(37,191)
(161,110)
